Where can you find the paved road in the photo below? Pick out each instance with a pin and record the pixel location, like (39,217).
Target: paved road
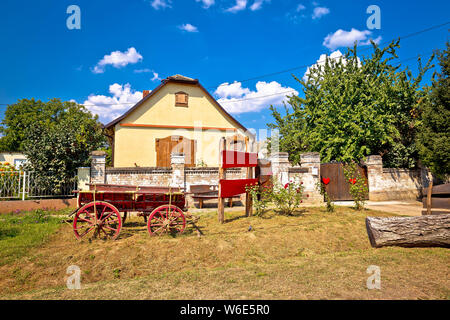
(404,208)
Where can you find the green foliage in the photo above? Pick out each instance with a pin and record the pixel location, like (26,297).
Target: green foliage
(321,187)
(56,149)
(357,184)
(287,198)
(354,108)
(433,138)
(261,197)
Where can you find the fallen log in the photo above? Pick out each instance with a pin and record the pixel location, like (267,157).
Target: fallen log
(423,231)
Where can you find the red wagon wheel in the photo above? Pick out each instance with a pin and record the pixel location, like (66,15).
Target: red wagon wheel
(105,223)
(166,219)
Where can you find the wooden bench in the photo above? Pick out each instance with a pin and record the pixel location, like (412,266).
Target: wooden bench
(207,192)
(436,200)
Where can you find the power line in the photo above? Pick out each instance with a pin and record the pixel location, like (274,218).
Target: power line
(258,97)
(263,96)
(290,69)
(307,65)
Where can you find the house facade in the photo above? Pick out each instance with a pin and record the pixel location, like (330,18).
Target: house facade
(17,159)
(179,116)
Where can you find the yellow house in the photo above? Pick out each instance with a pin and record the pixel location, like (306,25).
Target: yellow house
(179,116)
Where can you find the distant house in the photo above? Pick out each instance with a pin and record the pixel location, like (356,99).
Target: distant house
(178,116)
(15,158)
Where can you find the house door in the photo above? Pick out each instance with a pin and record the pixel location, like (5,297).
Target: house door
(338,188)
(175,144)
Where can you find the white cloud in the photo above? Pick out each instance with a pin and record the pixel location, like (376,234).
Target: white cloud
(300,7)
(342,38)
(110,107)
(236,99)
(118,59)
(320,12)
(206,3)
(239,6)
(335,55)
(188,27)
(161,4)
(257,4)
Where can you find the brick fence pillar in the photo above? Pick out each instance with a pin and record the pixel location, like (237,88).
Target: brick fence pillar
(280,166)
(374,165)
(177,161)
(98,167)
(311,160)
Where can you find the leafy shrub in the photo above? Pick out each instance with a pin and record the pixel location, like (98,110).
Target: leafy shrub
(261,197)
(357,183)
(323,191)
(287,198)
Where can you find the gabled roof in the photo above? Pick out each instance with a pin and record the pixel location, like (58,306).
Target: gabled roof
(175,79)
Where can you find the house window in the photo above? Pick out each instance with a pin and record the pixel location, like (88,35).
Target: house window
(181,99)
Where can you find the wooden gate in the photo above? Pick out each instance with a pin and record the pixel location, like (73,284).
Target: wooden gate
(175,144)
(338,188)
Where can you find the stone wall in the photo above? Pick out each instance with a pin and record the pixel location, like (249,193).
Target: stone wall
(393,183)
(308,172)
(139,176)
(384,183)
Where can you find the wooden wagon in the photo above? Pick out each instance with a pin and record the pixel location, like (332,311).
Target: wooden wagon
(99,210)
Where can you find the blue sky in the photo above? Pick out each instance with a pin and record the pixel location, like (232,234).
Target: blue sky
(124,47)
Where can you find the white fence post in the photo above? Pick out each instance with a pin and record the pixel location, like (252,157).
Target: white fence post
(23,187)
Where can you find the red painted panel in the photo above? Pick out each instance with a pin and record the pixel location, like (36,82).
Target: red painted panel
(231,188)
(236,159)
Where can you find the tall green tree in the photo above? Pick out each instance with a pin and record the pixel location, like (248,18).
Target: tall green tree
(433,138)
(26,114)
(353,108)
(56,137)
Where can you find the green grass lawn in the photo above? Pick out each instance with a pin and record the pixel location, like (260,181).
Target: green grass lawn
(20,232)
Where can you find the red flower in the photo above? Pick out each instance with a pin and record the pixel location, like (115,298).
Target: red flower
(286,185)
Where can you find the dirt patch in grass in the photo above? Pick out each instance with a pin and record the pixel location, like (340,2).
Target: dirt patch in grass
(313,255)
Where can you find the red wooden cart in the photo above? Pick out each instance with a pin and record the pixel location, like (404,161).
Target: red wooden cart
(99,210)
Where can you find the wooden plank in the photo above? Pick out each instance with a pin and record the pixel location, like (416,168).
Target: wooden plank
(440,189)
(220,205)
(436,211)
(437,203)
(430,191)
(236,159)
(248,197)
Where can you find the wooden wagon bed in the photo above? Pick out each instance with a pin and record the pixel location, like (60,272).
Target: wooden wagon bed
(99,209)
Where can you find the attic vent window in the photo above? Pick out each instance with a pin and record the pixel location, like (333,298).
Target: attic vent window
(181,99)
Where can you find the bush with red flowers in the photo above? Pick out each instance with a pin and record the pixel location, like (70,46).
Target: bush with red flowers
(288,197)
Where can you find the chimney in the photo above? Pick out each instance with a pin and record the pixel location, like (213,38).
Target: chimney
(145,93)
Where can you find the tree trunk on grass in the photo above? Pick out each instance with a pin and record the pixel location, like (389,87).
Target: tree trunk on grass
(424,231)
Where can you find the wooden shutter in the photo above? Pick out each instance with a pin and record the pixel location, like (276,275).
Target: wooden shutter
(181,99)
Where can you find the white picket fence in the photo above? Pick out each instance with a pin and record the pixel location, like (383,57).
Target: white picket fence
(24,185)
